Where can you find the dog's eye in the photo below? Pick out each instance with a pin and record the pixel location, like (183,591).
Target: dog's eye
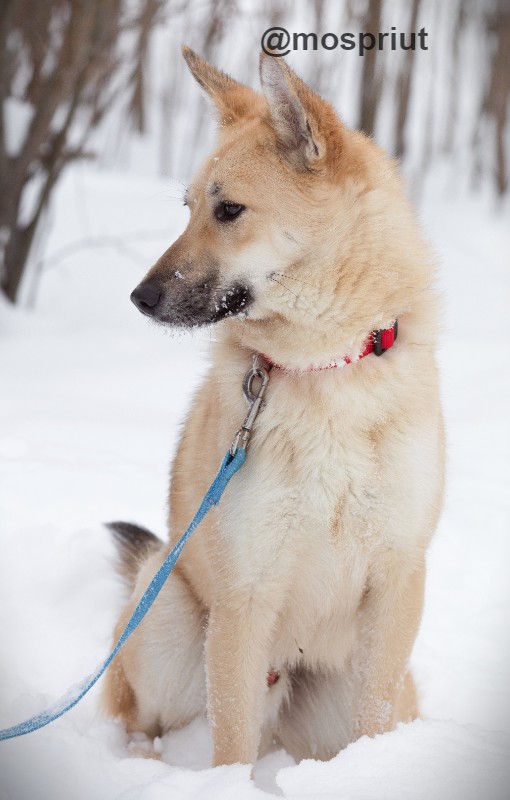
(226,212)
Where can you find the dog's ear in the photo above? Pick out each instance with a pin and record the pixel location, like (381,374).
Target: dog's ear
(232,99)
(295,111)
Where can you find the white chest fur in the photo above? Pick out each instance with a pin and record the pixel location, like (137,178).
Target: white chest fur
(342,467)
(302,519)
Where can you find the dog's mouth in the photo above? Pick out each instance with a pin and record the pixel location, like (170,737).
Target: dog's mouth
(189,306)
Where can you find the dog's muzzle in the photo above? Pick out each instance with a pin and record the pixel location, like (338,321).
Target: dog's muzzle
(189,305)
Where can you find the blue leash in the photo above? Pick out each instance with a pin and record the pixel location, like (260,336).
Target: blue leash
(232,462)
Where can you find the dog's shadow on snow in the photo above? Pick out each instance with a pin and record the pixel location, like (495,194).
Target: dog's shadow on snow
(191,748)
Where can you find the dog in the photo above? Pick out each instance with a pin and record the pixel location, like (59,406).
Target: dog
(292,612)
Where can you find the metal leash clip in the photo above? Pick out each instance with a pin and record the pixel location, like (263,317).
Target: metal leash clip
(258,370)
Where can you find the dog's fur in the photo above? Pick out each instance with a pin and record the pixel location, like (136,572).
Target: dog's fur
(314,562)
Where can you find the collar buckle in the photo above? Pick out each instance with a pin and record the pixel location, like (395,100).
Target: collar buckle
(260,369)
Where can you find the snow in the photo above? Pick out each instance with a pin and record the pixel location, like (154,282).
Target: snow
(91,404)
(18,115)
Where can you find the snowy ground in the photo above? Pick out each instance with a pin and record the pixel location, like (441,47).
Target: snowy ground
(91,402)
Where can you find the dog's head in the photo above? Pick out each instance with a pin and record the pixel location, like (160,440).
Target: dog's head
(277,215)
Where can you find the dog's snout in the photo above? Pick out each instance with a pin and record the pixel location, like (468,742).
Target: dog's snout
(146,297)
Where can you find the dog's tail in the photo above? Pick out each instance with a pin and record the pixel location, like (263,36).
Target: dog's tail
(134,545)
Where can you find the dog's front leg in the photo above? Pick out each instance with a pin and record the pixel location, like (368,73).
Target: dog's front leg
(239,635)
(390,617)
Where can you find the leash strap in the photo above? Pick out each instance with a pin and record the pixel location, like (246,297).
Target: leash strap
(230,465)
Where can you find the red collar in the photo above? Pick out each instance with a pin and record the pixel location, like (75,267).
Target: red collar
(377,342)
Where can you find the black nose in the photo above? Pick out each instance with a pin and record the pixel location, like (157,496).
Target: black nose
(146,297)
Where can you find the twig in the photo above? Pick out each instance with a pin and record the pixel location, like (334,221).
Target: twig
(88,243)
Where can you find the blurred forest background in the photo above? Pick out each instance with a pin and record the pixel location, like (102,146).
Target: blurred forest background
(105,80)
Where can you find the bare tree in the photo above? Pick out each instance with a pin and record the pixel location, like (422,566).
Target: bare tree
(371,79)
(404,87)
(151,13)
(60,62)
(497,92)
(455,82)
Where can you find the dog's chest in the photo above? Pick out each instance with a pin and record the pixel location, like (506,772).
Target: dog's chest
(304,528)
(305,510)
(322,461)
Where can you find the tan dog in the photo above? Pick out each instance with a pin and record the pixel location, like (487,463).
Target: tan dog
(300,244)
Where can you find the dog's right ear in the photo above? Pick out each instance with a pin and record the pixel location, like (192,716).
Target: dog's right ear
(299,117)
(232,99)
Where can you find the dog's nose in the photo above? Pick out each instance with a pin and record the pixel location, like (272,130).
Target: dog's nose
(146,297)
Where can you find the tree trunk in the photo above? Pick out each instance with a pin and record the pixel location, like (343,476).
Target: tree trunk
(404,87)
(370,79)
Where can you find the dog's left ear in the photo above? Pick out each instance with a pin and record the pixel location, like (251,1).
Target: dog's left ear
(233,100)
(295,112)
